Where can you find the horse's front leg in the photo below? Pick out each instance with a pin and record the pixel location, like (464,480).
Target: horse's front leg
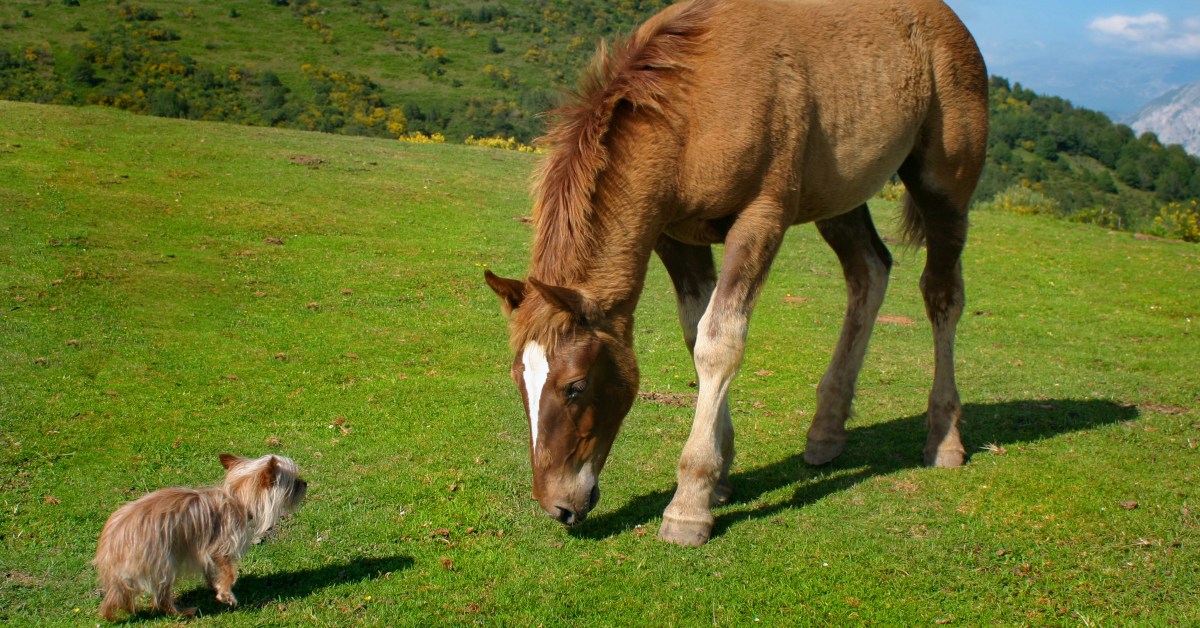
(694,276)
(719,346)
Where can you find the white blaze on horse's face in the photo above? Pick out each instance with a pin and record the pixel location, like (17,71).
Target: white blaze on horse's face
(575,398)
(578,379)
(537,368)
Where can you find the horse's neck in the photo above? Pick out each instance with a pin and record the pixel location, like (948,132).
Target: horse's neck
(612,267)
(606,253)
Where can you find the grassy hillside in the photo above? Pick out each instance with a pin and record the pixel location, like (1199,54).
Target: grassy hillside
(460,67)
(174,289)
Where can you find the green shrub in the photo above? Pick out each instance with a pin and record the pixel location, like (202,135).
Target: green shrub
(1101,216)
(1023,200)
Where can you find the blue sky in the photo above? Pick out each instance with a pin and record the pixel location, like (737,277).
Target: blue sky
(1108,55)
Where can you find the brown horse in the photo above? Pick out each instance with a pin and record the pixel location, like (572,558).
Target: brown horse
(727,121)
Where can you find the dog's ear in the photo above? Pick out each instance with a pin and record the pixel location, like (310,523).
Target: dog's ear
(230,461)
(268,472)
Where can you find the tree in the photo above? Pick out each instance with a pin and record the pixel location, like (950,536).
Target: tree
(83,73)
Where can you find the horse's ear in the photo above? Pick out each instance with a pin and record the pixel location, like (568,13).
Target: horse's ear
(510,291)
(568,300)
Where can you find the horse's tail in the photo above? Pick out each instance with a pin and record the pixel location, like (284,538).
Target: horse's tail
(912,223)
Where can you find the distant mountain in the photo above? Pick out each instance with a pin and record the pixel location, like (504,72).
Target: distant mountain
(1174,117)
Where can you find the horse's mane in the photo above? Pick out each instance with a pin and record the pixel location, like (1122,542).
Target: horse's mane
(638,71)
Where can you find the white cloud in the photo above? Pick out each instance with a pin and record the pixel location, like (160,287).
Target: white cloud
(1150,32)
(1130,27)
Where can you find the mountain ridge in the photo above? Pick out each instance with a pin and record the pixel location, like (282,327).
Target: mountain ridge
(1174,117)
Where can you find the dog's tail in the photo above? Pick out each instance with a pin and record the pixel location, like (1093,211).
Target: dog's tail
(117,597)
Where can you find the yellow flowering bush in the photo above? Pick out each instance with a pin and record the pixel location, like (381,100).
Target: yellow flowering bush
(891,191)
(1180,220)
(417,137)
(501,143)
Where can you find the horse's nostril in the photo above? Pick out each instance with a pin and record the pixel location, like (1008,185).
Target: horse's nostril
(565,516)
(594,497)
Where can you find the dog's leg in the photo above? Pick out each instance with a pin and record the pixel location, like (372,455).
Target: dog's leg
(222,581)
(117,597)
(165,601)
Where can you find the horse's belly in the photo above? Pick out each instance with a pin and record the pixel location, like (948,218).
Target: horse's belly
(825,192)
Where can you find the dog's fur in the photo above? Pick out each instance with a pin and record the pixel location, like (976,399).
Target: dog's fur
(147,543)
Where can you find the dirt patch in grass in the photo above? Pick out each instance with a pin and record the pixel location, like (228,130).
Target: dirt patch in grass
(675,400)
(22,579)
(1162,408)
(307,160)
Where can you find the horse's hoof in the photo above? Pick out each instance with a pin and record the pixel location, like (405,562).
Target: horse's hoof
(946,458)
(819,452)
(685,532)
(722,492)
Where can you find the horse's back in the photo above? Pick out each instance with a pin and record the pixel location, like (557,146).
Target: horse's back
(819,101)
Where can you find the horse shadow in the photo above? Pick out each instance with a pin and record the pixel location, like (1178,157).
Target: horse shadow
(871,451)
(260,590)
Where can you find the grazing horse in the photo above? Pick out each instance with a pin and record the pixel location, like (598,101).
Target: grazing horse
(727,121)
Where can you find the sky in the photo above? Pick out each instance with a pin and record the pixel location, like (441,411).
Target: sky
(1107,55)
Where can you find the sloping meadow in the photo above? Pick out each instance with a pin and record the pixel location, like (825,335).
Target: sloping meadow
(174,290)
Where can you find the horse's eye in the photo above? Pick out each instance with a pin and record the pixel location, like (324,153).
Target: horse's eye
(576,388)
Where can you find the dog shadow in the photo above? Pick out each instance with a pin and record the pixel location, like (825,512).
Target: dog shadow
(871,451)
(255,590)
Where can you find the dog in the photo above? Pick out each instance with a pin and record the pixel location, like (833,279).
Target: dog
(147,543)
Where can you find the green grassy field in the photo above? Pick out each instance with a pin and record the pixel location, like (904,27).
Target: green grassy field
(173,290)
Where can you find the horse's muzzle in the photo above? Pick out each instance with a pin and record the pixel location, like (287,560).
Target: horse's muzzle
(568,516)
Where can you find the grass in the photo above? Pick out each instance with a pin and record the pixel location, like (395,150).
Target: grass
(173,290)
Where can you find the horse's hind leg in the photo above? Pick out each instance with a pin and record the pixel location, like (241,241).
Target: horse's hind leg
(940,175)
(692,272)
(866,264)
(940,218)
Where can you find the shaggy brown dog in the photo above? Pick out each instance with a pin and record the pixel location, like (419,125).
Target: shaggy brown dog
(147,543)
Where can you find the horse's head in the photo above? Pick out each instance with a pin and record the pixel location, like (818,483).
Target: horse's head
(577,375)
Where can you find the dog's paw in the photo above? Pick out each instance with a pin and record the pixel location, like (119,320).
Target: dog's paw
(226,597)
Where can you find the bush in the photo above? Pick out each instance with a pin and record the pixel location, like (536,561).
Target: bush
(417,137)
(1180,221)
(1101,216)
(892,191)
(1023,200)
(167,104)
(501,143)
(134,13)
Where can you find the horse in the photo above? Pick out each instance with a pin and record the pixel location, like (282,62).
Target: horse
(727,122)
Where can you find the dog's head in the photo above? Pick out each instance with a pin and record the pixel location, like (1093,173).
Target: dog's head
(269,487)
